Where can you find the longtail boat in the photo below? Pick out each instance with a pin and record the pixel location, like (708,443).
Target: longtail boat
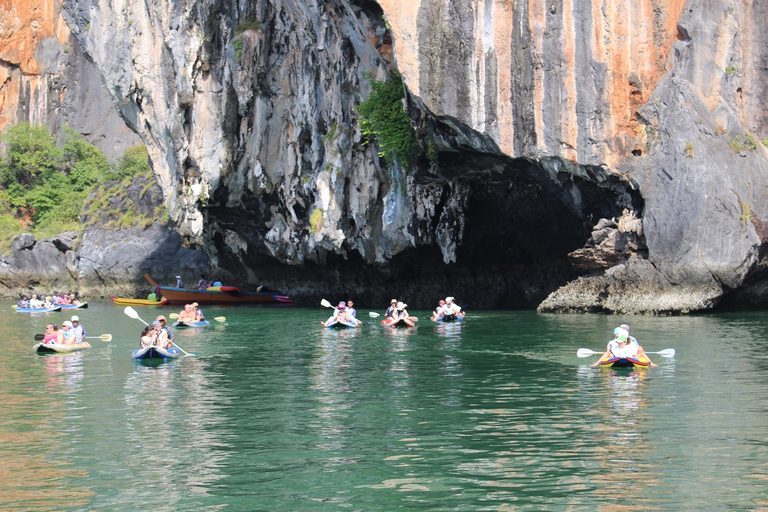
(222,295)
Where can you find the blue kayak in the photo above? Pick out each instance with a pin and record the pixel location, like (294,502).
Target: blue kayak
(338,324)
(202,323)
(38,310)
(449,318)
(156,353)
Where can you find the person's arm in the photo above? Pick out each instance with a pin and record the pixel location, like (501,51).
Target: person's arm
(606,354)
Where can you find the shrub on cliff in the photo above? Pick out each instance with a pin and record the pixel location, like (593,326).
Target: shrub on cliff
(382,117)
(43,185)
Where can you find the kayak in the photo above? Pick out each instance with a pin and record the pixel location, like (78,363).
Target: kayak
(120,301)
(202,323)
(401,322)
(449,318)
(83,305)
(624,362)
(150,353)
(339,324)
(38,310)
(60,348)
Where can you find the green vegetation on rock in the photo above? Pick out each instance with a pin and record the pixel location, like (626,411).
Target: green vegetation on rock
(382,118)
(43,185)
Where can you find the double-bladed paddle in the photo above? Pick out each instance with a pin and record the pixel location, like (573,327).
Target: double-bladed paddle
(175,316)
(585,352)
(133,314)
(103,337)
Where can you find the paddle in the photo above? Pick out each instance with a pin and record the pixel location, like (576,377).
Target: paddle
(327,304)
(373,315)
(103,337)
(175,316)
(133,314)
(585,352)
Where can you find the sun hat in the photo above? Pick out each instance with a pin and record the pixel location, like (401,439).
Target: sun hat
(67,323)
(449,299)
(194,304)
(161,318)
(441,302)
(393,301)
(75,319)
(178,277)
(401,305)
(342,304)
(156,323)
(625,327)
(623,336)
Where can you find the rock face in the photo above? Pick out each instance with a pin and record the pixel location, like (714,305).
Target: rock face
(613,148)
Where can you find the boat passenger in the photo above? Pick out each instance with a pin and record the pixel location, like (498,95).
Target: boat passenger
(179,282)
(78,328)
(633,340)
(146,339)
(202,284)
(199,316)
(400,311)
(352,312)
(160,335)
(391,309)
(438,312)
(451,308)
(187,315)
(165,326)
(152,297)
(51,334)
(339,315)
(23,303)
(35,303)
(66,334)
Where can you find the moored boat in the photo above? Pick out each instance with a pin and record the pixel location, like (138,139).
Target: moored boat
(224,295)
(38,310)
(60,348)
(400,322)
(155,353)
(121,301)
(182,324)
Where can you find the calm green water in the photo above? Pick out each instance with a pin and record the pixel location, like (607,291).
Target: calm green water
(275,413)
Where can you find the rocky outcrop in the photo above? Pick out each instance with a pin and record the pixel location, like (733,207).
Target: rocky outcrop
(110,257)
(616,142)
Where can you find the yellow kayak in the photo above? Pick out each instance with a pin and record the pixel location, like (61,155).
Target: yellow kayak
(625,362)
(138,302)
(58,348)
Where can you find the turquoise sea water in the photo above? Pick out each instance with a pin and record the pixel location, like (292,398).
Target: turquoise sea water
(275,413)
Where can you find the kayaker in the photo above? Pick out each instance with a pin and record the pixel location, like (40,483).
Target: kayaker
(400,311)
(451,308)
(66,334)
(339,315)
(165,326)
(160,335)
(51,333)
(633,341)
(351,311)
(146,339)
(438,312)
(199,316)
(23,303)
(391,309)
(187,315)
(78,328)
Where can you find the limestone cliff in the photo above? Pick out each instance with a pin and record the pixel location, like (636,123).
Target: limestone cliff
(616,141)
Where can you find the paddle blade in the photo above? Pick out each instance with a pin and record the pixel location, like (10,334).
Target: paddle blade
(133,314)
(173,316)
(585,352)
(14,306)
(39,337)
(669,352)
(105,337)
(372,314)
(220,318)
(414,318)
(326,304)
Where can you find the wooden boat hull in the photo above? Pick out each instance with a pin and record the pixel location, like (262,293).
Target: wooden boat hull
(401,322)
(120,301)
(181,296)
(155,353)
(57,348)
(182,325)
(624,362)
(38,310)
